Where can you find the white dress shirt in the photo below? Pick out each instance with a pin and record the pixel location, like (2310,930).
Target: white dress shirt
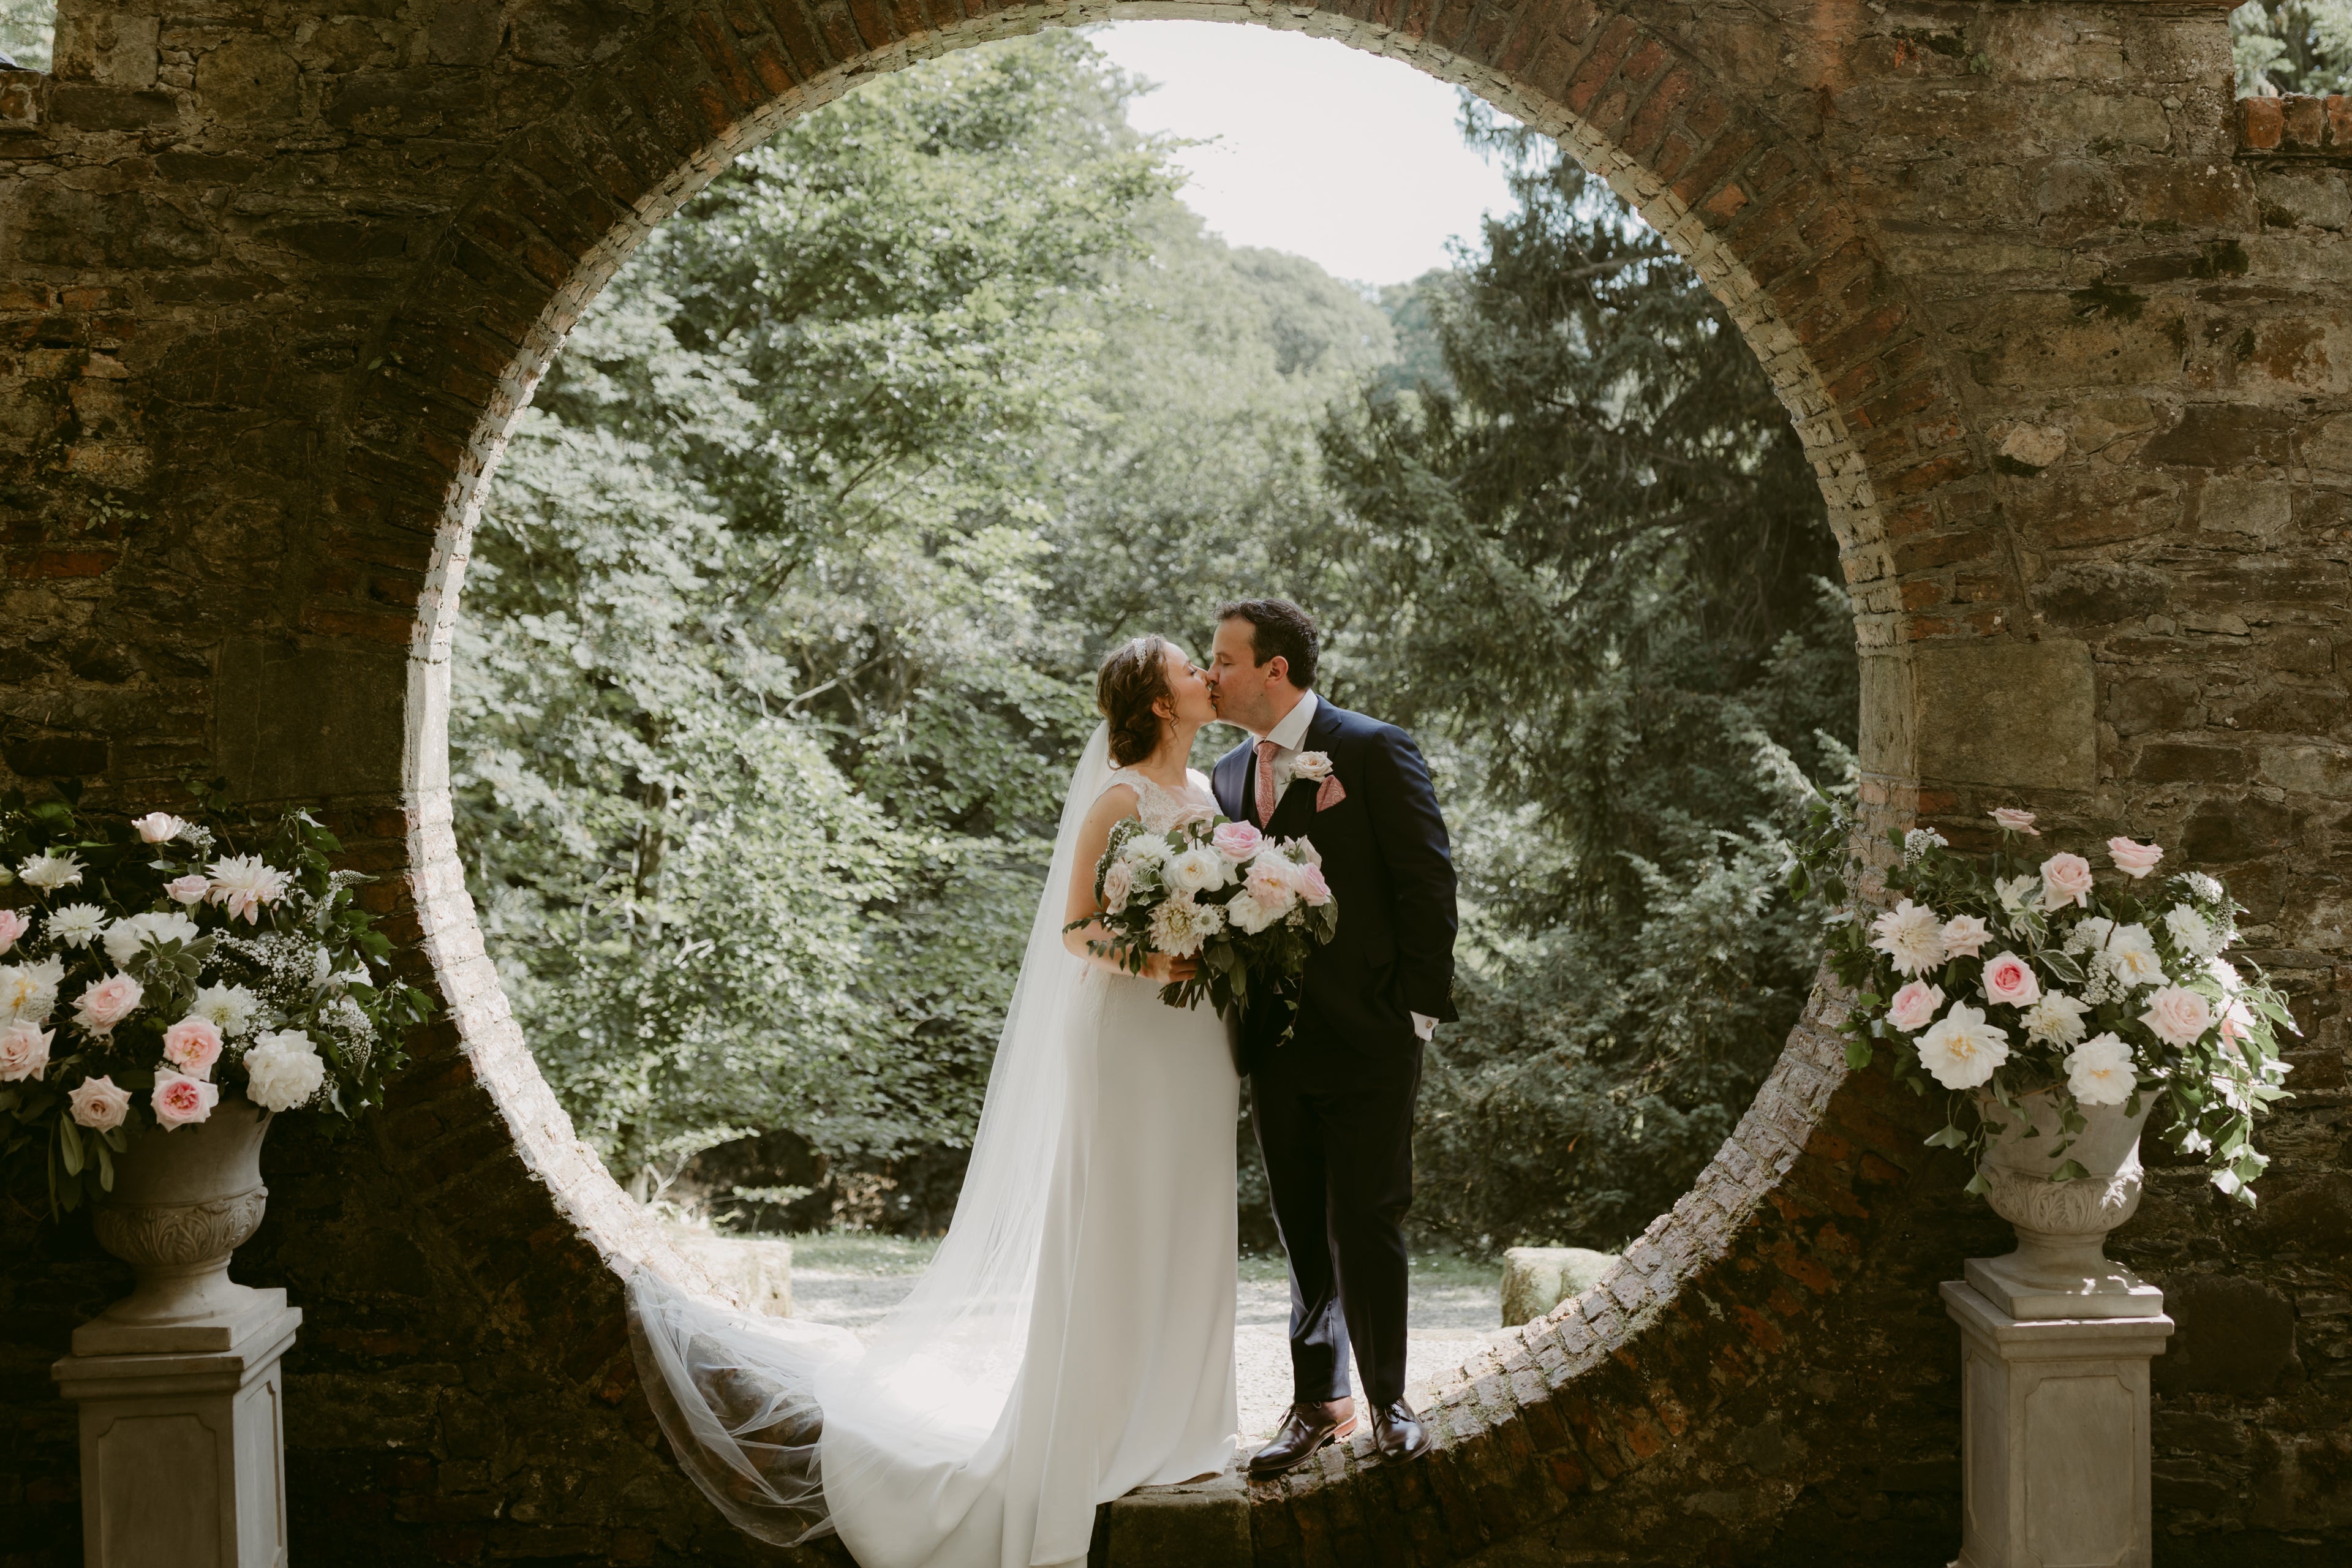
(1289,735)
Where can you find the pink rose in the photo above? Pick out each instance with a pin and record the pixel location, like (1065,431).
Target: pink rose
(2065,879)
(1963,934)
(12,926)
(107,1002)
(157,827)
(1312,888)
(189,890)
(1237,841)
(1915,1006)
(24,1051)
(180,1100)
(193,1045)
(2237,1022)
(2008,979)
(2015,821)
(1272,881)
(2134,860)
(1119,886)
(2177,1015)
(99,1104)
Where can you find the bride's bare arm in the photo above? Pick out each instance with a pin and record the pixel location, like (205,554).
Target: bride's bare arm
(1081,904)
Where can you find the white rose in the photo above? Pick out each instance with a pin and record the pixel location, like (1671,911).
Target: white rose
(1960,1051)
(99,1104)
(1198,870)
(1247,914)
(24,1051)
(2099,1071)
(126,936)
(1312,766)
(158,826)
(282,1070)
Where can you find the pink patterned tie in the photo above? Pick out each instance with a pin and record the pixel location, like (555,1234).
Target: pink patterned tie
(1267,751)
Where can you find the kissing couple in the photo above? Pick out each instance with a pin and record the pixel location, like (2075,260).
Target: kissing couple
(1073,1339)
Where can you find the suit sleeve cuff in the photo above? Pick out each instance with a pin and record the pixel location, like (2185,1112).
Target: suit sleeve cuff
(1424,1024)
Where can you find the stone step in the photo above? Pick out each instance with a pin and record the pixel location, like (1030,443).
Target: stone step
(1203,1524)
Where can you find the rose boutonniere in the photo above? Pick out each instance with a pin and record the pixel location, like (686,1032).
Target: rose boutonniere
(1315,768)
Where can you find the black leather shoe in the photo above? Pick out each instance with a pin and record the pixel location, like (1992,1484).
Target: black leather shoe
(1305,1433)
(1398,1434)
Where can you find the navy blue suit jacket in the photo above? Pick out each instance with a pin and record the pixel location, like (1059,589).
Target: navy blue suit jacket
(1390,868)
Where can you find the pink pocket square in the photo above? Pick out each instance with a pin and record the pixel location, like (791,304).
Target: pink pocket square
(1330,793)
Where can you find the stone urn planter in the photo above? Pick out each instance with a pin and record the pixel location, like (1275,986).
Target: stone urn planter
(183,1200)
(2060,1269)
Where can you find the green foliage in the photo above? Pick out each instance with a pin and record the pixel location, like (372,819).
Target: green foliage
(1593,566)
(27,31)
(2292,46)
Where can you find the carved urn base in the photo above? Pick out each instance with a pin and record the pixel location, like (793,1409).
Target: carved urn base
(183,1200)
(2060,1269)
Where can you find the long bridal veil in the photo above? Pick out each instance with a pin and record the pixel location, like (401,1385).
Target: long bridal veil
(747,1402)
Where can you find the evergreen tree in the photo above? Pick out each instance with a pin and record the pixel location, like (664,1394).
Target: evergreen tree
(2292,46)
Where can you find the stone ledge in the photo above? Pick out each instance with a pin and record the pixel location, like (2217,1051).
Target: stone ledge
(2296,126)
(1202,1524)
(23,99)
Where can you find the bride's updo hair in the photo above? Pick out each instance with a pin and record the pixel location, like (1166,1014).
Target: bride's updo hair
(1133,676)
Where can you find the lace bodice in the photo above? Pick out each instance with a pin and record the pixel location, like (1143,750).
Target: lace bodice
(1162,809)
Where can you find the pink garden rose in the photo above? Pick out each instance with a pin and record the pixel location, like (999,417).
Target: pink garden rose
(179,1099)
(189,890)
(1272,881)
(107,1002)
(2065,879)
(1119,886)
(24,1051)
(1312,888)
(2177,1015)
(1914,1007)
(1237,841)
(2015,821)
(157,827)
(1963,934)
(2008,979)
(193,1045)
(2134,860)
(12,926)
(99,1104)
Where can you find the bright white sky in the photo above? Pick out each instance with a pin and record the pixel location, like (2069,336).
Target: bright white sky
(1345,158)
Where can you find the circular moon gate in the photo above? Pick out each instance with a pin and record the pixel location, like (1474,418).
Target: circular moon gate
(2073,370)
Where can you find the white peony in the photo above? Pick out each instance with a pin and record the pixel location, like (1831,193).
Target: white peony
(2130,956)
(28,991)
(283,1070)
(231,1008)
(1911,936)
(242,883)
(2192,934)
(126,936)
(50,872)
(2099,1071)
(77,924)
(2055,1020)
(1249,915)
(1200,869)
(1960,1051)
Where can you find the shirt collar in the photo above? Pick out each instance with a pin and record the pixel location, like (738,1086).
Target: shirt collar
(1292,732)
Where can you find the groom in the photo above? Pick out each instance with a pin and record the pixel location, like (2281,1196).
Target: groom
(1333,1105)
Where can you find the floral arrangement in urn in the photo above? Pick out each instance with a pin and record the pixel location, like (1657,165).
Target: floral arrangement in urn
(149,966)
(2011,975)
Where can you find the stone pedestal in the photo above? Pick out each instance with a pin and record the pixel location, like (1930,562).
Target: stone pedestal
(2053,1440)
(183,1450)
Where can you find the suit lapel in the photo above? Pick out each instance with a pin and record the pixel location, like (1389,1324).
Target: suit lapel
(1294,814)
(1232,782)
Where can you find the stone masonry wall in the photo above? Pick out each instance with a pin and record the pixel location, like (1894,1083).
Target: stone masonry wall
(2066,332)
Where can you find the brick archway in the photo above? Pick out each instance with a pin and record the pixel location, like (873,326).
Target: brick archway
(278,290)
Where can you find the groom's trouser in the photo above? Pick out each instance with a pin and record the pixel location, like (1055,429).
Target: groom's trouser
(1336,1130)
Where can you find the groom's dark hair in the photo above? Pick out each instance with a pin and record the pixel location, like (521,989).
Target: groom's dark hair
(1279,627)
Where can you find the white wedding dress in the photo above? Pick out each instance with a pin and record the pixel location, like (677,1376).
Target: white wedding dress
(1074,1337)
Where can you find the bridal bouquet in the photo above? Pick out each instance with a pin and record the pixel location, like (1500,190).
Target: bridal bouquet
(1249,908)
(146,966)
(2001,977)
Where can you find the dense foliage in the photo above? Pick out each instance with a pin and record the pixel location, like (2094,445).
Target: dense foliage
(1594,570)
(2292,46)
(783,613)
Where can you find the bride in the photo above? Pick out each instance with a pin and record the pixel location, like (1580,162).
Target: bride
(1074,1337)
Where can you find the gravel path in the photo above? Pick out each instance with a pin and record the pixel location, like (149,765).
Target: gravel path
(1455,1306)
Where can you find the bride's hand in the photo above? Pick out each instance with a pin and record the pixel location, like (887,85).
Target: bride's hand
(1169,970)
